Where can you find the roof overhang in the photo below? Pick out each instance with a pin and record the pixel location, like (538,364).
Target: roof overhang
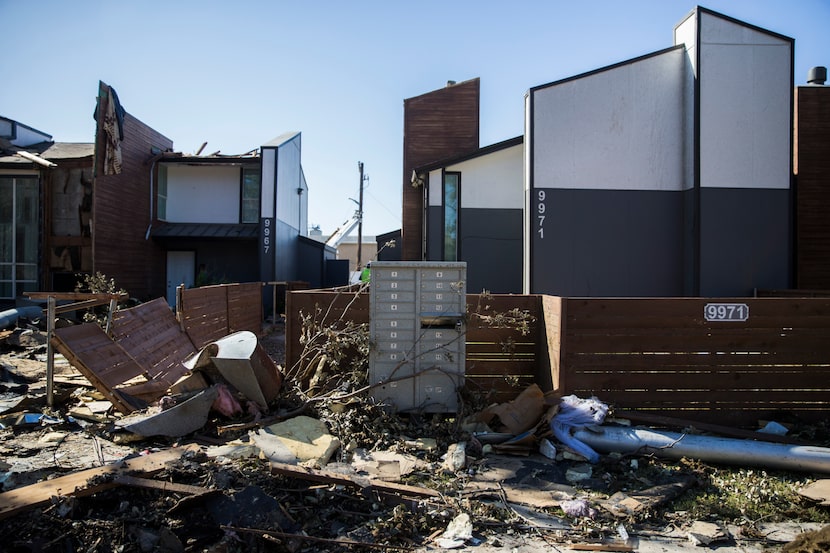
(206,231)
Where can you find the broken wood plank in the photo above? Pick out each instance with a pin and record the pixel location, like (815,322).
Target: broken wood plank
(329,477)
(622,505)
(86,482)
(76,295)
(137,482)
(341,542)
(817,491)
(103,362)
(601,547)
(728,431)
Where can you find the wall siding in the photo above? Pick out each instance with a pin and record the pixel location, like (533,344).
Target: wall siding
(744,241)
(121,211)
(437,125)
(812,168)
(610,243)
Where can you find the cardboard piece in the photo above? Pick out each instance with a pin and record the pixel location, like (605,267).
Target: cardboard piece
(818,491)
(516,416)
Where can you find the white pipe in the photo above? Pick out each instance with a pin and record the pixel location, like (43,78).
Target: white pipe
(729,451)
(35,159)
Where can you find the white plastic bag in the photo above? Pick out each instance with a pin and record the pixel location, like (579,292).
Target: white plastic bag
(574,414)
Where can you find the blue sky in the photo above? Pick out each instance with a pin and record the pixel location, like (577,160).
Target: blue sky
(237,74)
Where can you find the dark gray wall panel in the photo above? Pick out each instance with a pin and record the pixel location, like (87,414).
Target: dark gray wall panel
(745,241)
(608,243)
(435,234)
(286,248)
(225,261)
(491,244)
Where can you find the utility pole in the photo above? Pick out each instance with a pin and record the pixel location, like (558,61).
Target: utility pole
(360,218)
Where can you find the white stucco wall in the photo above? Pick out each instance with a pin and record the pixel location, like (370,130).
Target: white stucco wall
(745,97)
(685,33)
(435,188)
(620,128)
(203,194)
(289,179)
(492,181)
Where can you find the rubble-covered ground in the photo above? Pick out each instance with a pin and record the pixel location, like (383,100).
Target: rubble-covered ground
(366,496)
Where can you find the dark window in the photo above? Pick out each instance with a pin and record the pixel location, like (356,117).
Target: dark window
(161,195)
(250,195)
(452,193)
(19,235)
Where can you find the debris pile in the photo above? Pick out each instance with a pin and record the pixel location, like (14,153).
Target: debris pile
(233,455)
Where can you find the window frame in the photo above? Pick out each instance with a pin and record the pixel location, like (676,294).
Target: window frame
(256,172)
(161,196)
(456,255)
(16,268)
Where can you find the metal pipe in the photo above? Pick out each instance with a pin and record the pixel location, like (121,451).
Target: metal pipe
(728,451)
(10,316)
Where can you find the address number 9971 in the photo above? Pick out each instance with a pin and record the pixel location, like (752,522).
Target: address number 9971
(726,311)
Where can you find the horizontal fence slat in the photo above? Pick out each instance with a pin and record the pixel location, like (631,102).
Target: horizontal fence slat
(690,343)
(705,380)
(816,360)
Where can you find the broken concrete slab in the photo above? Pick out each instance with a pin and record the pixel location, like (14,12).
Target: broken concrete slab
(707,533)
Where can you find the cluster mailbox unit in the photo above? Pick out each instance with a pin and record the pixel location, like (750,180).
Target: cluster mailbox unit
(417,329)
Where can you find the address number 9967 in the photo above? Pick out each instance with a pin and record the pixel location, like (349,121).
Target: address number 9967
(726,311)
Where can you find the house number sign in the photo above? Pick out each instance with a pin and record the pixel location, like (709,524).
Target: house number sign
(726,311)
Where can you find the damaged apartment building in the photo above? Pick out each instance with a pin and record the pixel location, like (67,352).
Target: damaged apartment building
(695,170)
(131,208)
(45,211)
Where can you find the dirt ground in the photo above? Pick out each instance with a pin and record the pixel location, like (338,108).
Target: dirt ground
(209,500)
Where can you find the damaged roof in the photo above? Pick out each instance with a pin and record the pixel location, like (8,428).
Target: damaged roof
(51,151)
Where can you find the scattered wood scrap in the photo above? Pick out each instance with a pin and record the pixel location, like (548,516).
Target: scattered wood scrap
(727,431)
(817,491)
(624,505)
(354,481)
(86,482)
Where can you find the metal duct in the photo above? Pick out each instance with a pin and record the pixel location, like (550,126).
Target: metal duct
(728,451)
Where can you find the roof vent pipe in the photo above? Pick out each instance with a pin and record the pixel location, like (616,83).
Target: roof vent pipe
(817,75)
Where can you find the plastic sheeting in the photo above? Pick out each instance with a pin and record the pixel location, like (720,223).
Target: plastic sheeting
(574,414)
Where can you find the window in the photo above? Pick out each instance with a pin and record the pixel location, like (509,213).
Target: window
(250,195)
(452,187)
(161,211)
(19,235)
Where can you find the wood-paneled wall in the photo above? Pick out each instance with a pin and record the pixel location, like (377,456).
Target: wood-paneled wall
(812,168)
(122,212)
(437,125)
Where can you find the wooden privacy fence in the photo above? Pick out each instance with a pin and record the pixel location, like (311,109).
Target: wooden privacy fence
(209,313)
(142,356)
(505,339)
(702,359)
(750,359)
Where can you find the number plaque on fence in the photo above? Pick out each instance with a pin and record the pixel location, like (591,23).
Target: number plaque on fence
(726,311)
